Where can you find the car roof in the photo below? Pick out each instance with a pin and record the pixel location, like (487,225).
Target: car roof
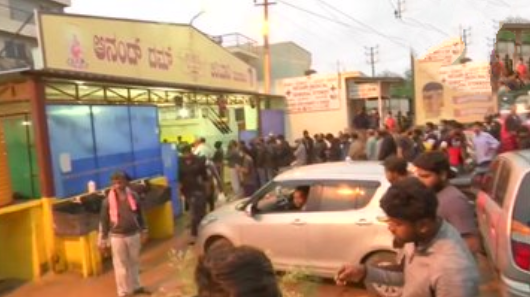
(365,170)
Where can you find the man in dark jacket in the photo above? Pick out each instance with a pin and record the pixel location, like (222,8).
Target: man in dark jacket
(361,121)
(284,152)
(309,144)
(334,151)
(388,145)
(193,178)
(122,228)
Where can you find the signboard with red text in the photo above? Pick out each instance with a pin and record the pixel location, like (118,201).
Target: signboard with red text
(176,54)
(363,90)
(311,93)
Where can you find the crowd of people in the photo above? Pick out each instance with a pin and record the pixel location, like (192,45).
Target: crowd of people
(505,76)
(250,165)
(425,211)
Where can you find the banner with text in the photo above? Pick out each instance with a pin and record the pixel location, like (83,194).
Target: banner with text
(310,93)
(446,89)
(176,54)
(363,90)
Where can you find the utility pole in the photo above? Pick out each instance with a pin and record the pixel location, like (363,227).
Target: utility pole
(372,52)
(266,45)
(398,12)
(466,35)
(195,17)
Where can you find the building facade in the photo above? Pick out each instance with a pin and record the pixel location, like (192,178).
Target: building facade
(288,59)
(18,34)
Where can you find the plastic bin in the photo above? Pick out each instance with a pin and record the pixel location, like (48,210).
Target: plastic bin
(72,219)
(156,196)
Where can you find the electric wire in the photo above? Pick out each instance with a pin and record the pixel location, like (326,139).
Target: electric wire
(395,40)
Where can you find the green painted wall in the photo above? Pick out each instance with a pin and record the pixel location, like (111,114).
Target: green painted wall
(22,156)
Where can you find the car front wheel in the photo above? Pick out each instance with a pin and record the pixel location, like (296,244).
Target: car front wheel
(218,241)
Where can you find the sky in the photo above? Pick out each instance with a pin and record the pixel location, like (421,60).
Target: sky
(336,32)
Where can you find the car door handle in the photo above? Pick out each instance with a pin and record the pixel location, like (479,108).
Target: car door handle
(363,222)
(298,222)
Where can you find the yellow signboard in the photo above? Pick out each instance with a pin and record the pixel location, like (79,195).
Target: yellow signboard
(446,89)
(169,53)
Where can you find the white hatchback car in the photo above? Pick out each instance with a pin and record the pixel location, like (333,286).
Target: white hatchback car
(340,223)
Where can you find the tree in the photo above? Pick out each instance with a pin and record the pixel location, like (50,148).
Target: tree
(387,73)
(405,89)
(516,20)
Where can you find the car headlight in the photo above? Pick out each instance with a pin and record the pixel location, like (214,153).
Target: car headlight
(208,220)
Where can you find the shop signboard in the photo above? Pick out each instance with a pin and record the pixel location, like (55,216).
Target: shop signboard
(447,89)
(311,93)
(362,90)
(155,52)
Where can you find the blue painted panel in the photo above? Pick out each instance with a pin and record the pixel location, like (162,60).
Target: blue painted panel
(70,133)
(100,140)
(144,123)
(113,141)
(170,161)
(247,135)
(170,166)
(145,141)
(272,121)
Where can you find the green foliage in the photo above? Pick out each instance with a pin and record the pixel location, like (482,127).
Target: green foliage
(404,90)
(298,283)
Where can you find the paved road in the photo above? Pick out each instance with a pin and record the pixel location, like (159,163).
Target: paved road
(167,277)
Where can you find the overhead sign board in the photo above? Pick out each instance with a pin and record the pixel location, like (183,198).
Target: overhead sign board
(176,54)
(363,90)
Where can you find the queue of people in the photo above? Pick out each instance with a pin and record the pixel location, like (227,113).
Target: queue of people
(250,165)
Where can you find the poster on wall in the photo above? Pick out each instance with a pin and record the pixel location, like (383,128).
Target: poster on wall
(311,93)
(446,89)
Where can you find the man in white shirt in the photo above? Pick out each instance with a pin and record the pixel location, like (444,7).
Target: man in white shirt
(203,150)
(485,144)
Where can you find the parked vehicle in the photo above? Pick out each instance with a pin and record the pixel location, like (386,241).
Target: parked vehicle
(341,221)
(503,211)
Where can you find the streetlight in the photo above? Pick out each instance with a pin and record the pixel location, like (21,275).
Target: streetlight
(196,16)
